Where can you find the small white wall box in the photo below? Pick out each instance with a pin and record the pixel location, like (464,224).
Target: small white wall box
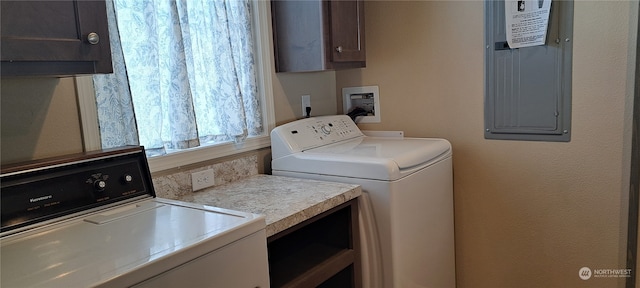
(365,97)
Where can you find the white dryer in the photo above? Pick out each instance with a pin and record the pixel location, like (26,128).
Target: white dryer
(92,220)
(408,238)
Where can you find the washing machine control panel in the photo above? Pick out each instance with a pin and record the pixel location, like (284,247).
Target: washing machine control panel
(313,132)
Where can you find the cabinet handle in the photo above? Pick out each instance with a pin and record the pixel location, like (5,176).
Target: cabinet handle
(93,38)
(339,49)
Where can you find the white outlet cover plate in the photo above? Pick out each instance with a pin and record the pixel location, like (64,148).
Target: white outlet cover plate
(202,179)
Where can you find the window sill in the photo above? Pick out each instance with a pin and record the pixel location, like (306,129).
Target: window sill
(206,153)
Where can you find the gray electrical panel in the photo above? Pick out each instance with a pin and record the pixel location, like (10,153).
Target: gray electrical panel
(528,90)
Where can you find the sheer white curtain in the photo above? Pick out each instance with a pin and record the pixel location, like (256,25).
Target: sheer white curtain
(184,75)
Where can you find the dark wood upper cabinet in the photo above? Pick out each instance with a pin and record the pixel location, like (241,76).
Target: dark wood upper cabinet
(318,35)
(54,38)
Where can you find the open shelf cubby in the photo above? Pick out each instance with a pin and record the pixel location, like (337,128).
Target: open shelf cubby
(323,251)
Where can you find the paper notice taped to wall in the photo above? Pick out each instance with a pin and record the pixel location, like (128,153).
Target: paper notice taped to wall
(526,22)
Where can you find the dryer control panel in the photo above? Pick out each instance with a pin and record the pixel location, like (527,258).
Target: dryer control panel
(45,189)
(312,132)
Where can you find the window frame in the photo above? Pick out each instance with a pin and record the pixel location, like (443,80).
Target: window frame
(89,113)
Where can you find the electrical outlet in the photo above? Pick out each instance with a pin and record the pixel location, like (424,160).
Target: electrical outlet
(202,179)
(306,102)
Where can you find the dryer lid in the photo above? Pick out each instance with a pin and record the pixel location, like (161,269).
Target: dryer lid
(120,244)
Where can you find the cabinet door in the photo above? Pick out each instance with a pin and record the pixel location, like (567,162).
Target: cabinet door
(51,37)
(318,35)
(347,31)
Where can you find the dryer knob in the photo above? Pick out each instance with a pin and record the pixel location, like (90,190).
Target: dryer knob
(127,178)
(100,185)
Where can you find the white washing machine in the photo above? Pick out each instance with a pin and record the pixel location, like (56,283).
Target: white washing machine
(407,212)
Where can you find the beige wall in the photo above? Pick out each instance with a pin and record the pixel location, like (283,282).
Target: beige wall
(528,214)
(39,118)
(288,89)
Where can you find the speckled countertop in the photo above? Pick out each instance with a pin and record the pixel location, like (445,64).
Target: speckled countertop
(284,201)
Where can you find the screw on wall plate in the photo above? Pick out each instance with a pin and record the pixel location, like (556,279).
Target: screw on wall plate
(488,130)
(565,131)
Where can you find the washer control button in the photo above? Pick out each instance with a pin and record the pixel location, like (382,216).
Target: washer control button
(326,129)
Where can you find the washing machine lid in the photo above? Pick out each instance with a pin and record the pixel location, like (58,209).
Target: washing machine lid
(368,157)
(404,152)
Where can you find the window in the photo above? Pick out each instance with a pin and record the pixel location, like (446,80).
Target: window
(195,72)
